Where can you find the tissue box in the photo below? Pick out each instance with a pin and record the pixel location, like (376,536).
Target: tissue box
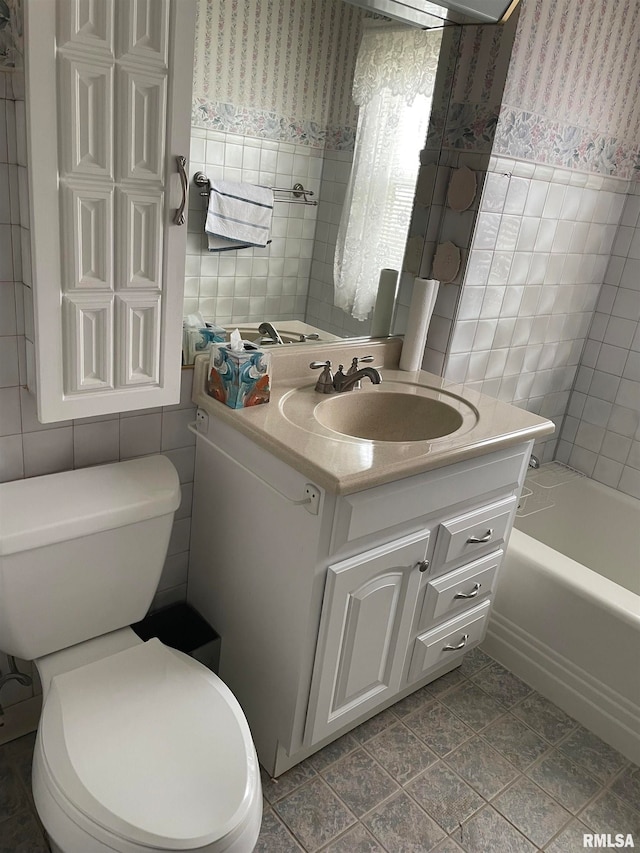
(239,378)
(197,340)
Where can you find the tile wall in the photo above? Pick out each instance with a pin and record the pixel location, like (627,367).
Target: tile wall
(252,284)
(29,448)
(601,432)
(537,262)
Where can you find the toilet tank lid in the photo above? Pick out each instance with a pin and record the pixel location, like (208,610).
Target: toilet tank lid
(56,507)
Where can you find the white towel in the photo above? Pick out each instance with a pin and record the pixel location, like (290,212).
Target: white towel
(239,215)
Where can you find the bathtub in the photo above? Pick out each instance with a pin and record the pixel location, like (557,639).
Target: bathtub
(566,617)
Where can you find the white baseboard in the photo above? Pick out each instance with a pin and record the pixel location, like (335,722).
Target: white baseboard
(606,713)
(20,719)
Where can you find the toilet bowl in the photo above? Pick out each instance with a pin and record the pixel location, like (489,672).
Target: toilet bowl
(140,748)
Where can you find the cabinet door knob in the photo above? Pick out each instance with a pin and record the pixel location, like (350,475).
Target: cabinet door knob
(423,565)
(460,645)
(474,540)
(472,594)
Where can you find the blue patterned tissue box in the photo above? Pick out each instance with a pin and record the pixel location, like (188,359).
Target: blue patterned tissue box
(239,378)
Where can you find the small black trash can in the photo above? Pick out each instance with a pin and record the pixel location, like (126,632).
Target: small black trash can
(183,628)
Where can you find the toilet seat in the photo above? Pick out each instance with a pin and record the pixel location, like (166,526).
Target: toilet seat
(151,747)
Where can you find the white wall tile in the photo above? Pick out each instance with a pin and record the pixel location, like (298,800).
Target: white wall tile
(11,458)
(96,443)
(140,435)
(48,451)
(10,420)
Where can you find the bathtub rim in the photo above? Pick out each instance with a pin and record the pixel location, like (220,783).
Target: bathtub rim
(593,586)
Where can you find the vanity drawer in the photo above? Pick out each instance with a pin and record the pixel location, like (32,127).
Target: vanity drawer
(448,641)
(464,536)
(462,588)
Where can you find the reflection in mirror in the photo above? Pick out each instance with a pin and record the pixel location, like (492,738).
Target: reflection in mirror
(273,105)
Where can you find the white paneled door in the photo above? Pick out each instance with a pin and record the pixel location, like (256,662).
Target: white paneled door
(108,106)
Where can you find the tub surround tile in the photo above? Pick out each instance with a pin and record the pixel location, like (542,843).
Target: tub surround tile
(401,826)
(544,717)
(515,741)
(360,782)
(314,814)
(400,752)
(568,783)
(480,834)
(482,767)
(445,796)
(531,811)
(597,757)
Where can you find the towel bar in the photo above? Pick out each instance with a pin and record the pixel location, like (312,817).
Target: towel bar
(300,195)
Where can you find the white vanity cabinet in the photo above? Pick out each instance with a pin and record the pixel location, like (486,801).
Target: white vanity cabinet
(332,611)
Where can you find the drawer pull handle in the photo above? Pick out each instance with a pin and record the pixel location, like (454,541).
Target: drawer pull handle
(474,540)
(460,645)
(423,565)
(472,594)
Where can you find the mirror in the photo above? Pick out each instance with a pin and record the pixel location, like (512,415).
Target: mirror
(273,105)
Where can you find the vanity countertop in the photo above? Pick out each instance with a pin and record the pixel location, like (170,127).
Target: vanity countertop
(343,464)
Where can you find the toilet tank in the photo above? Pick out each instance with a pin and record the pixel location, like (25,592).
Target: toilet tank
(81,552)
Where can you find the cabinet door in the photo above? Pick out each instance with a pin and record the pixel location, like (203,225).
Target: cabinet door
(108,113)
(367,612)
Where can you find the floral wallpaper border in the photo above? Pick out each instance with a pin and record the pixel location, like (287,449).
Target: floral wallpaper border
(263,124)
(11,40)
(528,136)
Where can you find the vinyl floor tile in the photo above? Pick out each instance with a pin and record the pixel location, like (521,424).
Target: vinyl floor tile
(402,827)
(489,832)
(533,812)
(434,774)
(501,685)
(544,717)
(568,783)
(360,782)
(439,728)
(444,796)
(482,767)
(516,742)
(597,757)
(474,707)
(314,814)
(400,752)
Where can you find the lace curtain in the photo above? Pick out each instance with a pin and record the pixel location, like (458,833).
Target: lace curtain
(393,87)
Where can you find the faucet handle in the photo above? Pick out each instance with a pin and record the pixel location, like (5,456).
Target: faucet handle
(324,385)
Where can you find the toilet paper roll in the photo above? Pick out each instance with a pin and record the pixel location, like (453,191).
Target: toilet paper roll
(423,300)
(385,301)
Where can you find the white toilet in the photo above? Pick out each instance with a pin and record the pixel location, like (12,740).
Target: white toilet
(140,749)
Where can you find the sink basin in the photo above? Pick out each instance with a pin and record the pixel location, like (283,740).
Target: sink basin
(393,412)
(388,416)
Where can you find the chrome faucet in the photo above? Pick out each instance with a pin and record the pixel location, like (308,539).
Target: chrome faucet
(534,462)
(269,329)
(346,381)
